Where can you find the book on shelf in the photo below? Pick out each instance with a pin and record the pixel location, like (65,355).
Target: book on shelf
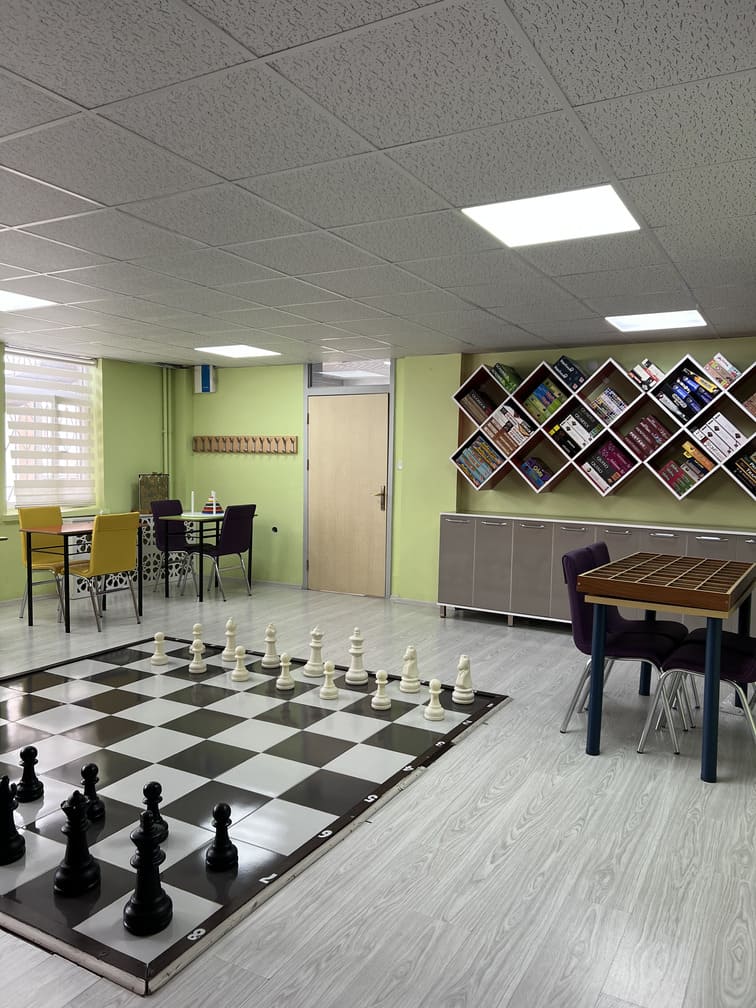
(676,477)
(565,441)
(750,404)
(570,372)
(536,471)
(654,428)
(694,452)
(721,370)
(595,476)
(508,377)
(744,469)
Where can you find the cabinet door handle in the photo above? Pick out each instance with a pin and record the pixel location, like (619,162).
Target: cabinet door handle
(457,521)
(663,535)
(711,539)
(617,532)
(572,528)
(531,525)
(496,524)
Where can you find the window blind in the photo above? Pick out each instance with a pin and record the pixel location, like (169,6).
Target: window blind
(50,430)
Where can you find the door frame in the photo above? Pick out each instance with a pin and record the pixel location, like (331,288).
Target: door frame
(387,390)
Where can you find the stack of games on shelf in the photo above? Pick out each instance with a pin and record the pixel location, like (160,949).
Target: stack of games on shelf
(536,471)
(690,466)
(744,469)
(545,399)
(606,465)
(721,370)
(570,372)
(568,444)
(685,393)
(608,404)
(506,376)
(648,434)
(646,374)
(750,404)
(581,425)
(720,438)
(479,460)
(507,429)
(477,404)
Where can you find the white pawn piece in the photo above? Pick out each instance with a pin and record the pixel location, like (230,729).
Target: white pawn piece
(240,672)
(285,680)
(380,700)
(197,665)
(314,666)
(196,636)
(433,710)
(356,674)
(463,691)
(228,654)
(410,681)
(270,658)
(329,690)
(160,657)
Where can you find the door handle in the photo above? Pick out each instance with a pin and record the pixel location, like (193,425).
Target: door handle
(382,494)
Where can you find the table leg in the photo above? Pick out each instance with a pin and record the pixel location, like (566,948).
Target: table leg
(139,570)
(249,557)
(66,587)
(711,700)
(644,682)
(744,617)
(166,553)
(29,582)
(596,695)
(201,558)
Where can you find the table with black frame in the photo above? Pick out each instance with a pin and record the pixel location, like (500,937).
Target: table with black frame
(201,520)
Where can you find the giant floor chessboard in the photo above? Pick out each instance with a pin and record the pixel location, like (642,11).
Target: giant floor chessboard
(298,771)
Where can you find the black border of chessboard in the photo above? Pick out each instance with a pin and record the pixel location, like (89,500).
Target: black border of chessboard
(144,978)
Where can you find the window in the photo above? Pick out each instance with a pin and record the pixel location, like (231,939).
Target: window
(50,430)
(347,373)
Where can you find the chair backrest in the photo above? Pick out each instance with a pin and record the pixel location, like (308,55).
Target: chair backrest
(114,539)
(614,621)
(236,529)
(47,516)
(581,612)
(171,533)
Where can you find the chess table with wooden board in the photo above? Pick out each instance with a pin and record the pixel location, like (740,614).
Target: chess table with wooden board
(298,771)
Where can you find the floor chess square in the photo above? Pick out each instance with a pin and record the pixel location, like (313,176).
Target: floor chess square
(296,769)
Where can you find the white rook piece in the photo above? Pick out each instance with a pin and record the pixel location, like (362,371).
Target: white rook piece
(410,681)
(197,648)
(380,700)
(270,659)
(356,674)
(314,666)
(159,657)
(285,680)
(329,690)
(463,691)
(433,710)
(228,654)
(240,671)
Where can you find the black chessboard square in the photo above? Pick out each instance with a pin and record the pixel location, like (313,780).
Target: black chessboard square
(294,715)
(212,670)
(404,738)
(119,676)
(311,748)
(126,655)
(366,687)
(328,792)
(201,695)
(203,723)
(106,731)
(24,705)
(363,707)
(16,736)
(197,807)
(208,758)
(118,816)
(111,767)
(113,701)
(234,886)
(63,913)
(268,688)
(35,681)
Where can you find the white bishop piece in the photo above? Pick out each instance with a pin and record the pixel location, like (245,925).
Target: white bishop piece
(228,654)
(314,665)
(270,659)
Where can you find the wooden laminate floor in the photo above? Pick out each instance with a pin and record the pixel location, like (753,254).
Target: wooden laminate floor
(516,873)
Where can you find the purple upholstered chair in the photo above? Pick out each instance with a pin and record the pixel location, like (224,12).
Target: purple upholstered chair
(235,538)
(642,645)
(173,536)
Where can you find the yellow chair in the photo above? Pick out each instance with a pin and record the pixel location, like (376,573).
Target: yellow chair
(114,541)
(47,550)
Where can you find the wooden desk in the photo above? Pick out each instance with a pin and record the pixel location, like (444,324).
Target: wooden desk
(656,581)
(201,520)
(68,531)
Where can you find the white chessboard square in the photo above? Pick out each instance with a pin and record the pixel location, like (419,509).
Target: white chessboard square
(8,694)
(298,674)
(225,681)
(61,719)
(345,698)
(158,711)
(154,744)
(41,855)
(247,705)
(53,752)
(183,838)
(267,775)
(393,691)
(155,686)
(282,826)
(70,692)
(106,926)
(83,668)
(55,792)
(257,736)
(145,665)
(341,725)
(416,719)
(175,784)
(370,763)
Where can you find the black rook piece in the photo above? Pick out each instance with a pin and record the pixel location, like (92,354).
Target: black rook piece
(221,854)
(95,804)
(149,908)
(153,795)
(30,787)
(78,872)
(12,843)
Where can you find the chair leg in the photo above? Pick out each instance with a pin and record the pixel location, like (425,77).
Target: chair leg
(576,696)
(216,572)
(93,594)
(244,574)
(23,602)
(660,698)
(134,600)
(747,708)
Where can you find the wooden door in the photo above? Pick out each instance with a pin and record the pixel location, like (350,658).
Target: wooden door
(347,485)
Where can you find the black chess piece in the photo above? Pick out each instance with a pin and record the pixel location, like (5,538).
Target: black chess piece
(30,787)
(149,908)
(78,872)
(221,854)
(153,795)
(95,804)
(12,843)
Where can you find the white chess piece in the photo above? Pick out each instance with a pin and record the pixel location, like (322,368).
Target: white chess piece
(285,680)
(380,700)
(270,659)
(329,690)
(356,674)
(410,681)
(228,654)
(314,665)
(433,710)
(240,672)
(197,665)
(463,692)
(159,657)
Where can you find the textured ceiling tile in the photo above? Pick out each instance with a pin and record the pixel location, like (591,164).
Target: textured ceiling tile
(428,343)
(732,320)
(313,331)
(422,235)
(190,323)
(268,25)
(40,255)
(25,201)
(64,315)
(368,187)
(538,291)
(475,267)
(604,48)
(511,338)
(211,267)
(200,299)
(51,288)
(710,191)
(113,234)
(284,291)
(368,280)
(218,215)
(200,119)
(120,278)
(304,253)
(100,52)
(342,310)
(724,296)
(264,318)
(23,106)
(98,160)
(647,301)
(7,271)
(445,69)
(734,238)
(528,158)
(577,331)
(588,255)
(691,124)
(416,303)
(629,281)
(470,324)
(717,270)
(132,308)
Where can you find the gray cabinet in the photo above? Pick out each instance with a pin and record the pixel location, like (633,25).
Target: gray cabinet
(493,564)
(456,560)
(567,536)
(723,546)
(531,564)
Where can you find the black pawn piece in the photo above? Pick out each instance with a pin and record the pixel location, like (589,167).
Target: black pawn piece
(150,908)
(78,872)
(12,843)
(221,854)
(30,787)
(153,795)
(95,804)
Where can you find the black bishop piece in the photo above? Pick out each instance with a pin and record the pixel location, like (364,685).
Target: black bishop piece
(150,908)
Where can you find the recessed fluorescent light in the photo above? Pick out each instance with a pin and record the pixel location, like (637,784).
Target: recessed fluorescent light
(20,302)
(237,350)
(657,320)
(557,217)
